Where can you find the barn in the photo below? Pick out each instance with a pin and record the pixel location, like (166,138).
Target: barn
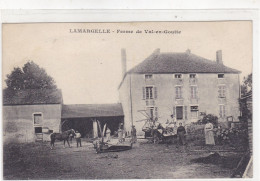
(31,115)
(83,117)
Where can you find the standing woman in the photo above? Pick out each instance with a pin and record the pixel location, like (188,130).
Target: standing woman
(209,135)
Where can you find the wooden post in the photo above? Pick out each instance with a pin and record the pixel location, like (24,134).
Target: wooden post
(95,129)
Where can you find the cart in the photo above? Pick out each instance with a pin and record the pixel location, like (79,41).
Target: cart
(101,146)
(155,132)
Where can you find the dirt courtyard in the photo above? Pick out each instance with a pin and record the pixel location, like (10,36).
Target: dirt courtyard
(143,161)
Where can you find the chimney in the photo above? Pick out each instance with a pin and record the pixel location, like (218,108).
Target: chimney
(156,51)
(219,57)
(123,61)
(188,51)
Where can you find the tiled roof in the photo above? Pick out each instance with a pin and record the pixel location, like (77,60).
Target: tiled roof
(179,63)
(32,96)
(91,110)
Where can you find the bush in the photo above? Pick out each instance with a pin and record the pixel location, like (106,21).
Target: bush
(234,137)
(209,117)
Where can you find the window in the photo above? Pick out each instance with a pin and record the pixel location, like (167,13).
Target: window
(149,92)
(222,91)
(148,76)
(177,76)
(38,129)
(37,119)
(220,76)
(194,112)
(193,90)
(192,76)
(222,112)
(178,92)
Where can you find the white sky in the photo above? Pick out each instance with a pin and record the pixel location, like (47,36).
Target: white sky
(87,67)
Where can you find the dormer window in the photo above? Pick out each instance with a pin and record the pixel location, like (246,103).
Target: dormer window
(192,76)
(177,76)
(220,76)
(148,76)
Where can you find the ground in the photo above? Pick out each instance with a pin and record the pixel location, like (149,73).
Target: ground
(143,161)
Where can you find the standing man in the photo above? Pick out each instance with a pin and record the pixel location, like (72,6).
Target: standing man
(78,138)
(133,133)
(181,134)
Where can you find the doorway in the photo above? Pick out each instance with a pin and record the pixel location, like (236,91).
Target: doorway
(179,112)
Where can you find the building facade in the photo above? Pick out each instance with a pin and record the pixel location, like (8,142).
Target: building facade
(180,84)
(31,115)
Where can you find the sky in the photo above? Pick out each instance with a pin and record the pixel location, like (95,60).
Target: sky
(87,66)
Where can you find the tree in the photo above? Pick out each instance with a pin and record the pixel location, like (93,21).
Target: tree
(31,76)
(246,87)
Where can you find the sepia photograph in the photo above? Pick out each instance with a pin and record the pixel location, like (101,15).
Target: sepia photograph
(127,100)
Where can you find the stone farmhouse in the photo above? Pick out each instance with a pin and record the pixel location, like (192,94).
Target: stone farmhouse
(180,84)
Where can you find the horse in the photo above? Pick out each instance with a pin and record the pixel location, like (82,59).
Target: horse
(64,136)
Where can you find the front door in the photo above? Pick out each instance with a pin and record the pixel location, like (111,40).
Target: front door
(179,112)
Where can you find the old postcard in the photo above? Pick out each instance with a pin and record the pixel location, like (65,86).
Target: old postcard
(136,100)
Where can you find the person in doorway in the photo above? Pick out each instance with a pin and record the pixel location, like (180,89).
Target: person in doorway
(78,138)
(108,134)
(209,135)
(181,134)
(133,134)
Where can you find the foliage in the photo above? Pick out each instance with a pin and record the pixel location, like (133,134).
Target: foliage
(245,88)
(209,117)
(247,85)
(232,136)
(31,76)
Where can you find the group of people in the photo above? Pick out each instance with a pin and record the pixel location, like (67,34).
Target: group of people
(121,134)
(179,131)
(171,128)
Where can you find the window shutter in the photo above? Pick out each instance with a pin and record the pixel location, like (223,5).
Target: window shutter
(219,91)
(155,92)
(156,111)
(224,111)
(143,92)
(185,112)
(220,111)
(173,112)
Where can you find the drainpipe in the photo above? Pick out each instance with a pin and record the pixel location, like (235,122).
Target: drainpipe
(131,102)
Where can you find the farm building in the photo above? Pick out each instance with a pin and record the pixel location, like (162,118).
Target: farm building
(180,84)
(83,117)
(30,115)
